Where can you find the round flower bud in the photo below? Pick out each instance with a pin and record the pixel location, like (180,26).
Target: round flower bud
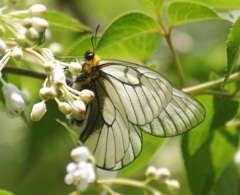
(47,93)
(86,95)
(163,174)
(78,109)
(71,167)
(69,178)
(173,185)
(75,67)
(38,111)
(22,40)
(32,34)
(40,24)
(49,67)
(17,54)
(27,22)
(80,154)
(65,108)
(37,10)
(59,77)
(151,171)
(2,30)
(13,99)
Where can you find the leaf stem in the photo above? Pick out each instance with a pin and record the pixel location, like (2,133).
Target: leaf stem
(210,85)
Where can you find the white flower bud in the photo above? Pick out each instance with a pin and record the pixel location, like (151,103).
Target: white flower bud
(38,111)
(71,167)
(47,93)
(17,54)
(173,185)
(163,174)
(40,24)
(80,154)
(22,40)
(37,10)
(86,95)
(59,77)
(3,47)
(78,109)
(49,67)
(69,178)
(75,67)
(151,171)
(32,34)
(13,98)
(65,108)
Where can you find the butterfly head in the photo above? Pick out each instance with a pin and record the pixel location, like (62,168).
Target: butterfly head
(92,61)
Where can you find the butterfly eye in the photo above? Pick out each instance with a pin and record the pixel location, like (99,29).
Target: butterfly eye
(89,55)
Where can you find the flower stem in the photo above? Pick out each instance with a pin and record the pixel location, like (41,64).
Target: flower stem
(130,182)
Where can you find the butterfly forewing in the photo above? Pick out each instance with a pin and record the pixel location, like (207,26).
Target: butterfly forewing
(130,99)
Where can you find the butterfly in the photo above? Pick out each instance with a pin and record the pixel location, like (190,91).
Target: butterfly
(130,99)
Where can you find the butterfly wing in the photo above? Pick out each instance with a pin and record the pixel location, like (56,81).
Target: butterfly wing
(129,99)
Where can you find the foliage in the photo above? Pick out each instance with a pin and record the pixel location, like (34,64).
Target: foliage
(184,40)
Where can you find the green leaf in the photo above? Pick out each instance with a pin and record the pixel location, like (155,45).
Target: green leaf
(151,145)
(133,36)
(233,46)
(4,192)
(180,12)
(81,46)
(154,6)
(72,133)
(59,21)
(221,4)
(209,149)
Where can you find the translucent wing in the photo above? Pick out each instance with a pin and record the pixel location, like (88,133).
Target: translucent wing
(129,99)
(181,115)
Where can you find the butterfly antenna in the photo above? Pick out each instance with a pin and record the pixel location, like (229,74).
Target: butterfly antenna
(94,39)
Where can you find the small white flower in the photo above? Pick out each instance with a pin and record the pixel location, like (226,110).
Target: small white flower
(71,167)
(80,173)
(78,109)
(65,108)
(173,184)
(86,95)
(40,24)
(151,171)
(58,76)
(38,111)
(80,154)
(75,67)
(13,98)
(163,174)
(37,10)
(17,54)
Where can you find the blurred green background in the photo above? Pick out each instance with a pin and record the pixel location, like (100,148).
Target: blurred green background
(33,156)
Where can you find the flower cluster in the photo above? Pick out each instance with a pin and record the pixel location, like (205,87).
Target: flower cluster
(162,175)
(81,172)
(28,29)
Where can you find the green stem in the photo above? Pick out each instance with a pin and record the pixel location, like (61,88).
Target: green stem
(167,34)
(210,85)
(130,182)
(176,60)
